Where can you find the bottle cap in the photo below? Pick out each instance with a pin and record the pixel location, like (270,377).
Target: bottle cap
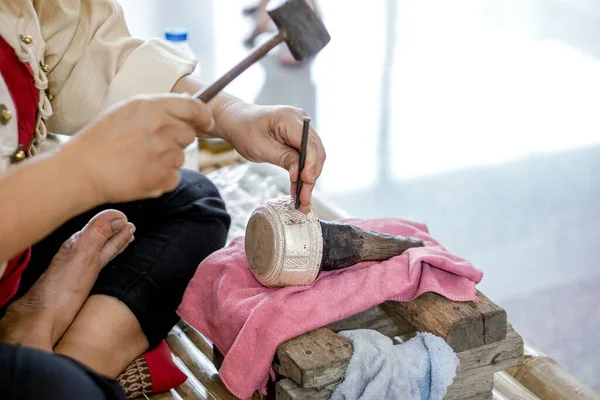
(176,34)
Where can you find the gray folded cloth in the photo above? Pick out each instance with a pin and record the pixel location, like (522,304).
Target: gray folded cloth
(421,368)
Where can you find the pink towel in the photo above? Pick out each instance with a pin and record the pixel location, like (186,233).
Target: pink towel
(247,321)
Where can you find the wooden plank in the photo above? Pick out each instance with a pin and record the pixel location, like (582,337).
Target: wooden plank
(199,340)
(217,357)
(492,354)
(476,381)
(192,389)
(171,395)
(286,389)
(387,322)
(315,359)
(510,388)
(208,161)
(475,373)
(189,391)
(463,325)
(545,378)
(214,146)
(200,365)
(482,396)
(497,395)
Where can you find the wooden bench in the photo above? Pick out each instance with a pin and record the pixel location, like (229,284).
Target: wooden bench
(309,366)
(478,332)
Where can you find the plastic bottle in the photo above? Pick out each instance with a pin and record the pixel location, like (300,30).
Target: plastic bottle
(178,37)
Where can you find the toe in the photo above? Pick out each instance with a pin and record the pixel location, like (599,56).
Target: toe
(117,244)
(103,226)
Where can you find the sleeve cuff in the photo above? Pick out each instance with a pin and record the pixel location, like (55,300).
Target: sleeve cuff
(153,67)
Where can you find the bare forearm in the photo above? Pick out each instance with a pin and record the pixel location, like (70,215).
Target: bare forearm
(222,104)
(37,197)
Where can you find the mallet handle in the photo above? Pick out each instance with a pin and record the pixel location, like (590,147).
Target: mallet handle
(207,93)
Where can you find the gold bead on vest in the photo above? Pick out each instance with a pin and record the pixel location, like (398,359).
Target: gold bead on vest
(19,155)
(45,68)
(27,39)
(5,114)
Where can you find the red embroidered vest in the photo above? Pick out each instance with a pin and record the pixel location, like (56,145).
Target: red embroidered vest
(19,80)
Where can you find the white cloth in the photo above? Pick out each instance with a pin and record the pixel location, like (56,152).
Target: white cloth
(420,369)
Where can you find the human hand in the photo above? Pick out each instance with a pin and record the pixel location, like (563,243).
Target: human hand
(135,149)
(273,134)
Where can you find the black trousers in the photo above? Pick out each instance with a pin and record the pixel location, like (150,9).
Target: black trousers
(28,374)
(175,232)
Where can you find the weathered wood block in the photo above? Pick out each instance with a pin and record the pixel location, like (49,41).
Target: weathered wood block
(474,378)
(286,389)
(385,322)
(315,359)
(494,354)
(474,382)
(463,325)
(482,396)
(475,373)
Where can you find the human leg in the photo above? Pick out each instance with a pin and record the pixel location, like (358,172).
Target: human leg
(132,305)
(29,374)
(40,316)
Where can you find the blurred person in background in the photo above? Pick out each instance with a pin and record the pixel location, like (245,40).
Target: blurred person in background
(262,20)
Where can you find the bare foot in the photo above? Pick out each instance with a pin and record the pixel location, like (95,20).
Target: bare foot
(44,313)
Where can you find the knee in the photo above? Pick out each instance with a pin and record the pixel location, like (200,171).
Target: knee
(195,185)
(202,198)
(55,377)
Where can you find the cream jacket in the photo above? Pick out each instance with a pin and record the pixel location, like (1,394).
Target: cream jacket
(83,59)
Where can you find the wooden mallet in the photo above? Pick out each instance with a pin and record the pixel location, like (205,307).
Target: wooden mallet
(285,247)
(299,27)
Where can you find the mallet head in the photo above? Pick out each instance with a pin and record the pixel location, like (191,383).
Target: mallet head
(304,31)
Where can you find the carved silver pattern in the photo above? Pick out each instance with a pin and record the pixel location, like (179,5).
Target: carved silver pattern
(298,242)
(297,263)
